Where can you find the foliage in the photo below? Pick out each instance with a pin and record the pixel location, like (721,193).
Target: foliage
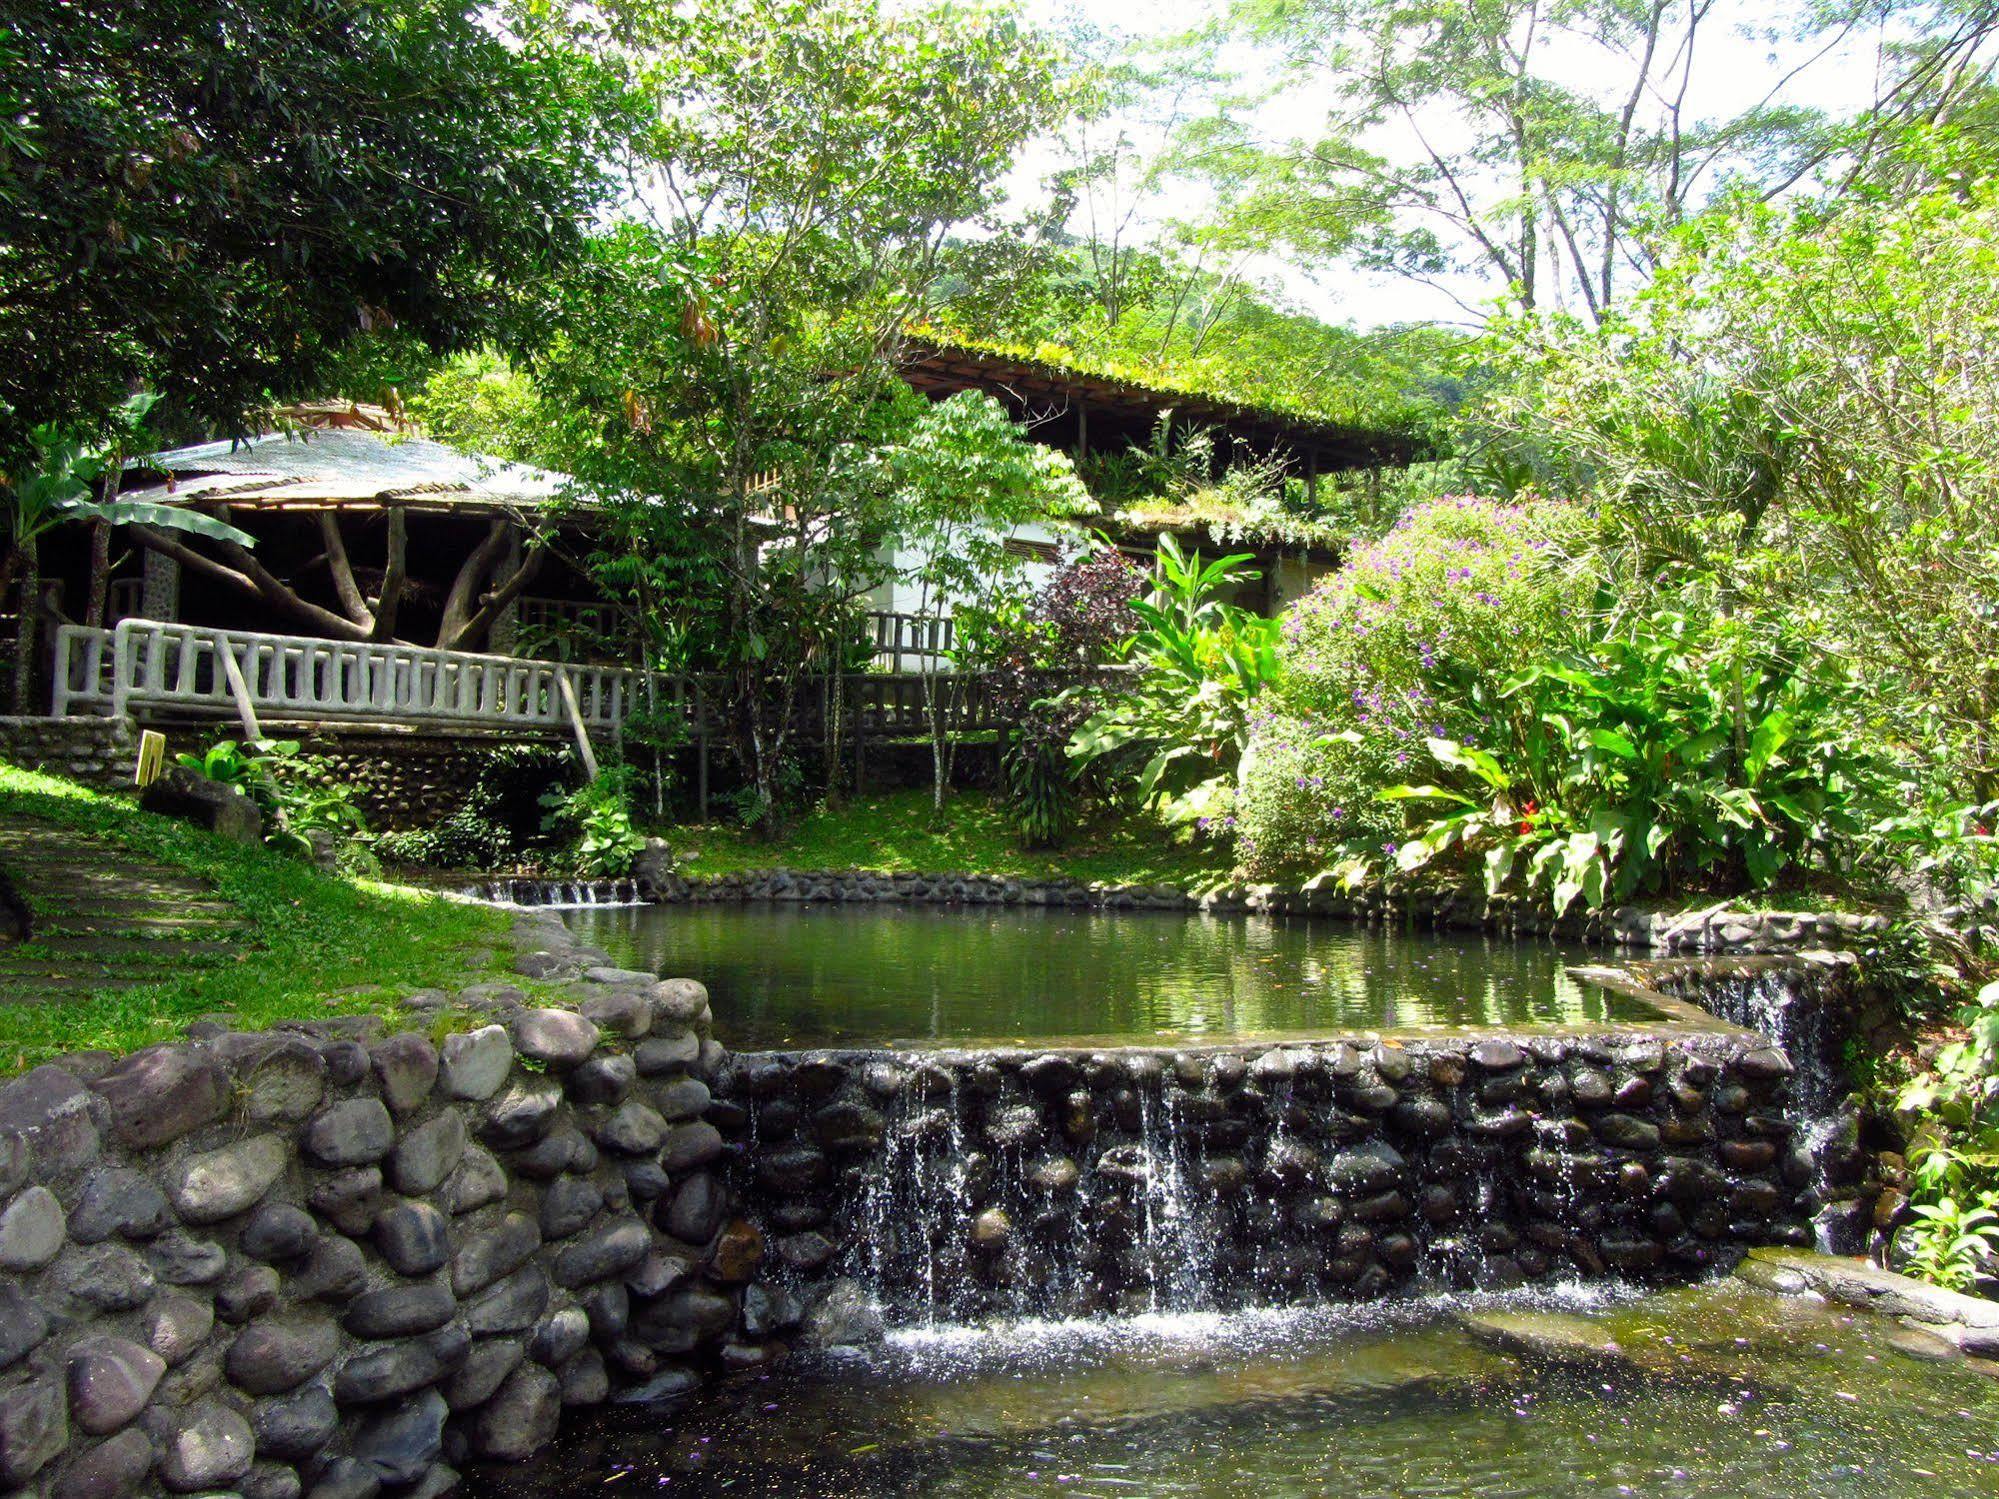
(61,478)
(316,943)
(1798,417)
(1043,665)
(495,821)
(1395,379)
(1203,662)
(899,832)
(735,350)
(1520,148)
(1041,788)
(1951,1112)
(299,800)
(1660,754)
(1461,591)
(209,198)
(598,815)
(1948,1244)
(960,483)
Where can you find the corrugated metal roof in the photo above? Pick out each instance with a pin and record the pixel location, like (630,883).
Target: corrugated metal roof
(342,464)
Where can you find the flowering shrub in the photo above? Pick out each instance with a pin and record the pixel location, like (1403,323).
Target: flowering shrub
(1386,654)
(1043,669)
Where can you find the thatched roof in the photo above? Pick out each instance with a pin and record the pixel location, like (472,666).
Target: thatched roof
(1057,397)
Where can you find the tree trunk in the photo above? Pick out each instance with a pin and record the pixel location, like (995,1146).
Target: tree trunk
(30,567)
(100,575)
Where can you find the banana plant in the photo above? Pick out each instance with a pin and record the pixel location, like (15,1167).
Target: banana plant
(1203,662)
(61,485)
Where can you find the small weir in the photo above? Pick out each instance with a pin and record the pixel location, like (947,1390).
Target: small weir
(1449,1258)
(559,895)
(1796,1005)
(968,1186)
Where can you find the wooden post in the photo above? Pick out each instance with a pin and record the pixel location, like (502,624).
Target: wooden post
(232,672)
(701,745)
(100,574)
(583,750)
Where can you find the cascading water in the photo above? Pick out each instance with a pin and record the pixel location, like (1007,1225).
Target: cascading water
(967,1187)
(1795,1007)
(561,895)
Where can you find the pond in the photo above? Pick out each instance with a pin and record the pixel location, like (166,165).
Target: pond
(1719,1390)
(795,976)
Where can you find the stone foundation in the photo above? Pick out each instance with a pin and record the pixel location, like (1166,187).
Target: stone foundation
(102,753)
(324,1260)
(319,1260)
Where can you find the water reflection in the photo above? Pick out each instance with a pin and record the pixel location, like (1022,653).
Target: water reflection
(784,975)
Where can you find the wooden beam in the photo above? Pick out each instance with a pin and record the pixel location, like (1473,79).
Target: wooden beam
(584,752)
(225,650)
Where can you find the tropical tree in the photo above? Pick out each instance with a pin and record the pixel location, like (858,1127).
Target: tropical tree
(799,169)
(1541,148)
(68,479)
(209,197)
(962,480)
(1800,417)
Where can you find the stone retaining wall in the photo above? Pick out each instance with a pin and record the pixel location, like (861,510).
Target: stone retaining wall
(319,1260)
(959,1184)
(99,752)
(1714,930)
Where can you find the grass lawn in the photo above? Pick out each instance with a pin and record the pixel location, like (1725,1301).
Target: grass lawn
(895,832)
(319,944)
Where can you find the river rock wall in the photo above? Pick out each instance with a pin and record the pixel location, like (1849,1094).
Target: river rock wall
(102,753)
(1060,1183)
(325,1261)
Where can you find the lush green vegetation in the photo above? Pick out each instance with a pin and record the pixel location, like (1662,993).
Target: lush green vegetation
(320,944)
(898,832)
(1696,602)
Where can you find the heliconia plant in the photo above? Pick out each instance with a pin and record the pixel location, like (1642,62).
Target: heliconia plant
(1661,755)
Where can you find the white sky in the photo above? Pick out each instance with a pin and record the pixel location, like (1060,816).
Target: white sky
(1738,70)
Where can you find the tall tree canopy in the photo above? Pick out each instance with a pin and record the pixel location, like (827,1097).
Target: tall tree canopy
(209,196)
(1547,145)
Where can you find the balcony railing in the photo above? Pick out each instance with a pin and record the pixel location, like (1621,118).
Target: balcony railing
(149,670)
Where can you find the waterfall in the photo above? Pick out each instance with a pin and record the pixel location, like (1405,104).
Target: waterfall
(1795,1007)
(560,895)
(950,1188)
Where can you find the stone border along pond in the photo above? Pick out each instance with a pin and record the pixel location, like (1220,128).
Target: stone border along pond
(1721,928)
(323,1260)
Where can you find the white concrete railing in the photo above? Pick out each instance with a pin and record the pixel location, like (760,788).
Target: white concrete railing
(147,669)
(183,668)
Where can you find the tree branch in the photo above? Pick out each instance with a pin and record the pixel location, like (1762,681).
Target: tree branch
(254,580)
(489,608)
(395,573)
(458,604)
(344,587)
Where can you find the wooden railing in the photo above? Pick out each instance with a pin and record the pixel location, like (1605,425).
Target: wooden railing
(147,669)
(916,636)
(143,665)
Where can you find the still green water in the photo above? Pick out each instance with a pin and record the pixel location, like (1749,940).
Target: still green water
(1702,1393)
(832,975)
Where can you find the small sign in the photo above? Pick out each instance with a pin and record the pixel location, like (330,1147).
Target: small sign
(152,757)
